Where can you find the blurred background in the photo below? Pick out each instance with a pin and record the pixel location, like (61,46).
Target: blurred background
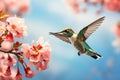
(54,15)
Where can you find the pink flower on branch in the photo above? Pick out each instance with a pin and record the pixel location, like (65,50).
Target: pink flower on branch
(8,71)
(12,76)
(12,52)
(10,60)
(28,72)
(18,75)
(9,37)
(16,26)
(25,50)
(2,66)
(6,45)
(38,55)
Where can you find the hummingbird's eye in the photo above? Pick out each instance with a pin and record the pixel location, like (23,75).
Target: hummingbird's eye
(66,31)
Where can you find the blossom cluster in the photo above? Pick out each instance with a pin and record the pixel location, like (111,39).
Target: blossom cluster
(110,5)
(116,31)
(74,5)
(38,55)
(13,53)
(14,7)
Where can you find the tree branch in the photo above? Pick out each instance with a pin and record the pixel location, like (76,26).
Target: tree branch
(11,52)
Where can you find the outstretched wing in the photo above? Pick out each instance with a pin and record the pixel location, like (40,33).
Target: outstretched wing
(88,30)
(61,36)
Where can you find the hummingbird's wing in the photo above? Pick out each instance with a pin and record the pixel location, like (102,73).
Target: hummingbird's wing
(88,30)
(61,36)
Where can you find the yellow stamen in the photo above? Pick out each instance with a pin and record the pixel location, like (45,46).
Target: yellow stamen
(13,26)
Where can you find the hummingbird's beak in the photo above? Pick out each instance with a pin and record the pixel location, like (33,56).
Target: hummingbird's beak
(52,33)
(58,34)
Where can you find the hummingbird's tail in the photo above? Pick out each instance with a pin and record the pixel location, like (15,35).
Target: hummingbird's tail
(93,54)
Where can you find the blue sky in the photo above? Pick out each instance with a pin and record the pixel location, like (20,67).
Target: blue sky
(51,16)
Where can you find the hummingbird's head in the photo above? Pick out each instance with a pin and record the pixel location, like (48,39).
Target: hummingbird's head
(67,32)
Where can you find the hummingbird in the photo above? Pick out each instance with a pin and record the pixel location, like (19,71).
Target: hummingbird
(79,40)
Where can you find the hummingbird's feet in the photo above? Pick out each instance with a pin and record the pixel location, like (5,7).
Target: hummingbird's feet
(78,53)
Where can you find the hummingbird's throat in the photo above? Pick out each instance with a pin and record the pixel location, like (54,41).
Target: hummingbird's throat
(69,34)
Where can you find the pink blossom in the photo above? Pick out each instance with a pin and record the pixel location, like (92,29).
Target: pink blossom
(2,7)
(42,49)
(112,5)
(6,45)
(8,71)
(18,75)
(9,37)
(94,2)
(16,26)
(34,52)
(116,43)
(31,52)
(44,57)
(116,30)
(29,73)
(23,5)
(1,77)
(15,5)
(38,55)
(2,28)
(6,78)
(10,61)
(34,57)
(25,50)
(2,67)
(12,28)
(85,1)
(46,51)
(1,55)
(41,65)
(11,77)
(11,4)
(74,4)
